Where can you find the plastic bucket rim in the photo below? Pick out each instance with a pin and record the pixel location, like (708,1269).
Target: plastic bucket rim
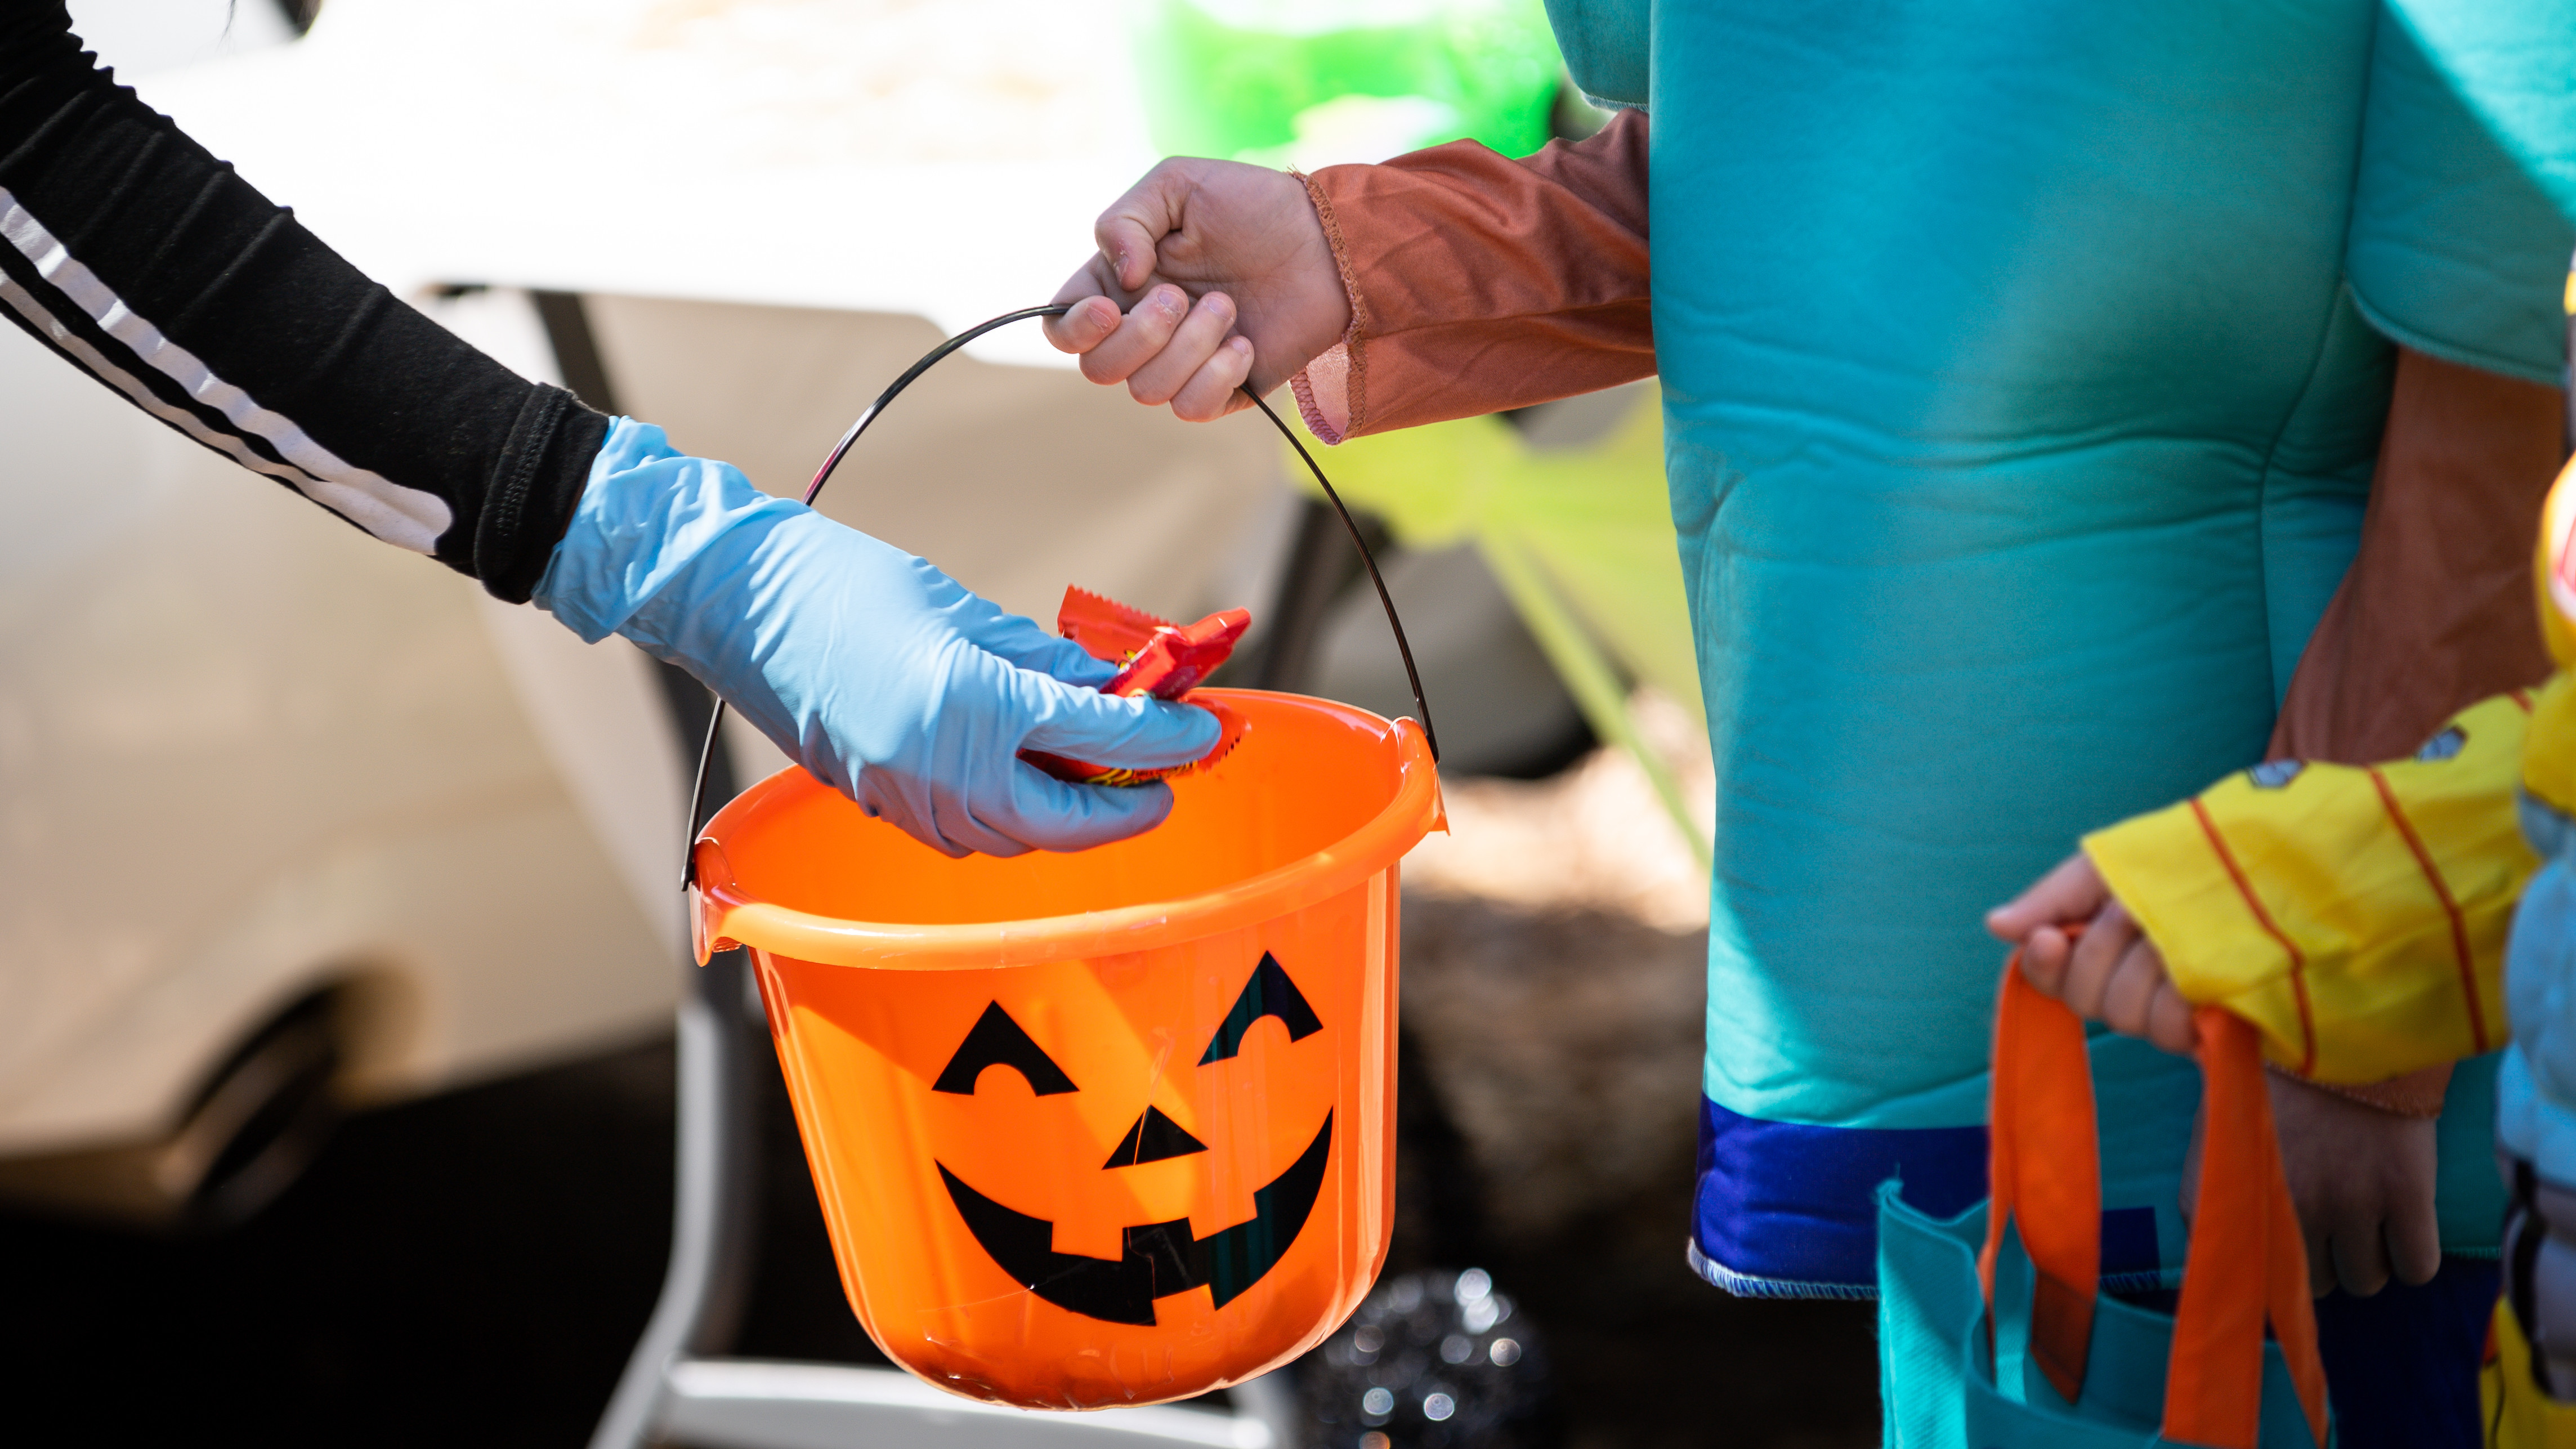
(724,913)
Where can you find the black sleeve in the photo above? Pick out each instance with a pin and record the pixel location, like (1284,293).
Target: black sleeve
(144,261)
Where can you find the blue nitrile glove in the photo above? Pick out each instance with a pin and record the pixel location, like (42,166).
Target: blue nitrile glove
(873,670)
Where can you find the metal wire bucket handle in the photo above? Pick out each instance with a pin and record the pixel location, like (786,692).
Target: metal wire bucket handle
(936,355)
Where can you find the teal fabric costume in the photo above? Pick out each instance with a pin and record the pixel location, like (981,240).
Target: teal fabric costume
(2024,369)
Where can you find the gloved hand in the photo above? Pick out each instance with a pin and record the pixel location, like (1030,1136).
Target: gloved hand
(867,666)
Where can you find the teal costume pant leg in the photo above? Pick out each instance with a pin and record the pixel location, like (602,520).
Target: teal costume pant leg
(2019,423)
(2024,369)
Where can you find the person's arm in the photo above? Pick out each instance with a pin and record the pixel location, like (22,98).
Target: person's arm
(1443,284)
(2436,610)
(141,259)
(1478,283)
(2355,914)
(2394,975)
(135,255)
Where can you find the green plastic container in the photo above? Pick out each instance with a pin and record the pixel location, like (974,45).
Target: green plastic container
(1312,82)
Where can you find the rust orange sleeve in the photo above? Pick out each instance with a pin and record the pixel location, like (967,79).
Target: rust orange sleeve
(1479,283)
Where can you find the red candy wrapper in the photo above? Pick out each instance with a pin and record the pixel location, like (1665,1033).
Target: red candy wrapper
(1156,657)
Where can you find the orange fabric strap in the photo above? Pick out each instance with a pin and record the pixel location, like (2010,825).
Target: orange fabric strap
(2046,1174)
(2247,1261)
(2247,1264)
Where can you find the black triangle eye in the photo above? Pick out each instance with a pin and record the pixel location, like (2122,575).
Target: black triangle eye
(1268,993)
(998,1041)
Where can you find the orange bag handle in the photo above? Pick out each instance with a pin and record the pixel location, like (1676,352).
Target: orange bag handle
(2045,1173)
(2247,1264)
(2248,1261)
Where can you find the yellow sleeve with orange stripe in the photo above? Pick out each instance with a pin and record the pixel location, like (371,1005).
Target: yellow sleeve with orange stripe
(2355,915)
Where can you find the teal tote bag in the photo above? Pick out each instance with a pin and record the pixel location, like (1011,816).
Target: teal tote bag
(1993,1330)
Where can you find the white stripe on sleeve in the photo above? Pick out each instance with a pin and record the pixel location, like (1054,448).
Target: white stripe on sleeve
(406,517)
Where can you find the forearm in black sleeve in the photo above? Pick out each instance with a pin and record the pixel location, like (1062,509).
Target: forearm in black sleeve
(143,260)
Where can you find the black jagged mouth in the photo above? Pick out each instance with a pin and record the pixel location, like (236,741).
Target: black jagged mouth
(1158,1259)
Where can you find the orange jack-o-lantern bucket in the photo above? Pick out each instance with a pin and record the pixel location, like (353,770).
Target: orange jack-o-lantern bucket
(1104,1128)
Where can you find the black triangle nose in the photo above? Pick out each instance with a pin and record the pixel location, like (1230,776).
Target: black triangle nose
(1153,1138)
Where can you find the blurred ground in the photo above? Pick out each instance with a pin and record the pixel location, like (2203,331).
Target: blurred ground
(1550,1092)
(467,1269)
(472,1268)
(1554,954)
